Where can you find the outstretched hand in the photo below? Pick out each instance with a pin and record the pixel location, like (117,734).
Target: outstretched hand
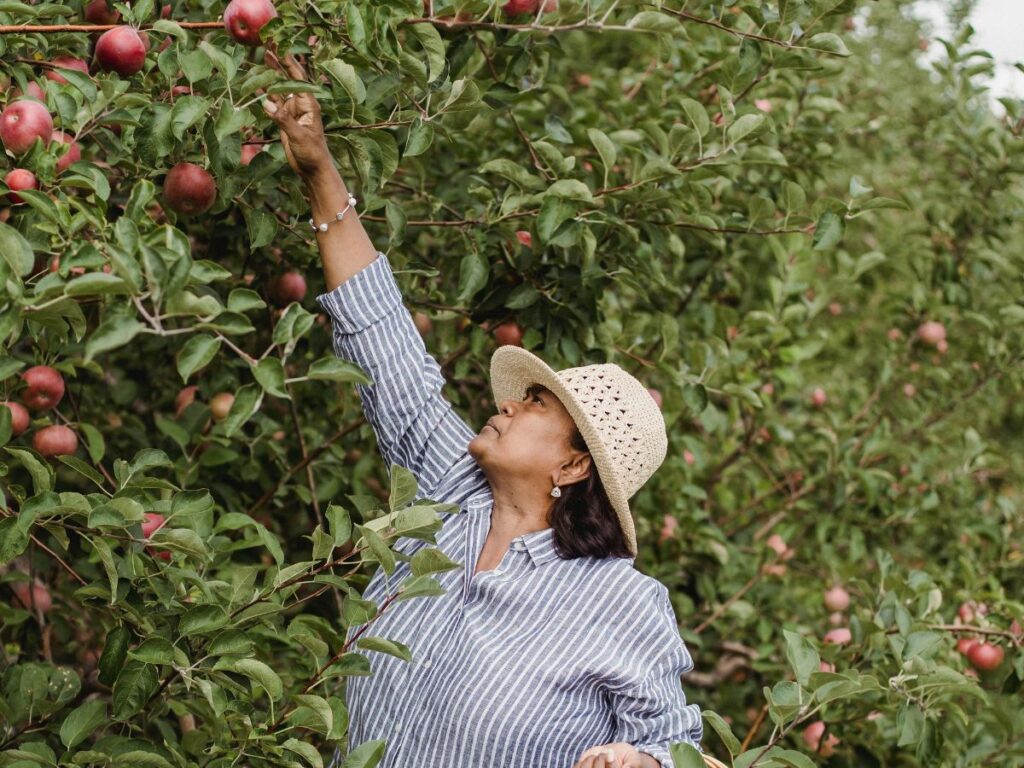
(617,755)
(298,117)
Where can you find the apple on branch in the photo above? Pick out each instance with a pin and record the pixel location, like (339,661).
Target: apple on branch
(22,122)
(17,180)
(243,19)
(44,387)
(189,189)
(121,50)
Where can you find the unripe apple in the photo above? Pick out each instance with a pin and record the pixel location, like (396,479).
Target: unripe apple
(249,152)
(121,50)
(35,596)
(44,387)
(286,288)
(72,155)
(185,397)
(55,440)
(524,237)
(19,417)
(189,189)
(509,333)
(423,323)
(22,122)
(985,657)
(931,332)
(17,180)
(837,599)
(65,62)
(243,19)
(655,395)
(98,12)
(812,738)
(220,405)
(838,636)
(818,397)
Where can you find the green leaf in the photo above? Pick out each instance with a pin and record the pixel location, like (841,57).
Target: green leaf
(258,672)
(202,620)
(247,401)
(685,756)
(381,552)
(828,42)
(802,656)
(269,372)
(112,333)
(16,250)
(335,369)
(155,650)
(82,721)
(115,651)
(605,148)
(392,647)
(13,540)
(403,487)
(345,75)
(366,755)
(432,43)
(723,730)
(262,227)
(431,560)
(570,189)
(473,273)
(83,469)
(829,231)
(339,523)
(697,114)
(41,473)
(136,683)
(743,127)
(421,136)
(306,751)
(419,586)
(186,112)
(652,21)
(196,354)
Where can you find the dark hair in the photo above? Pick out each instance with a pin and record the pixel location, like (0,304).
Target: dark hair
(585,522)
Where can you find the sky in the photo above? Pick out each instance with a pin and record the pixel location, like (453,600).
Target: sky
(998,29)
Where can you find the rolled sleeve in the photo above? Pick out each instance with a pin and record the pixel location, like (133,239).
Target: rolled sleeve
(416,427)
(652,713)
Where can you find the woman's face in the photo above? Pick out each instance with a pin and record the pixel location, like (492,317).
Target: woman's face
(528,439)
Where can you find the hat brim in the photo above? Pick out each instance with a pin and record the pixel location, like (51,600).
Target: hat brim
(513,371)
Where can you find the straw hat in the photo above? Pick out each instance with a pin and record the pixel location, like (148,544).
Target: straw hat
(614,412)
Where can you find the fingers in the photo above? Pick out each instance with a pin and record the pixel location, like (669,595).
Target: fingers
(295,70)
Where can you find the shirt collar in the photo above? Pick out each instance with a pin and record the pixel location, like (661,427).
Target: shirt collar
(539,544)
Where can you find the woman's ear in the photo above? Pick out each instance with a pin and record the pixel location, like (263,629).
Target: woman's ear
(576,469)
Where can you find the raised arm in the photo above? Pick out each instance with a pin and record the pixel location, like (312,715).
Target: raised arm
(415,425)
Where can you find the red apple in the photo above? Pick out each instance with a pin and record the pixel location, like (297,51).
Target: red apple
(909,390)
(765,105)
(98,12)
(837,619)
(964,644)
(32,91)
(509,333)
(812,738)
(243,19)
(669,527)
(121,50)
(22,122)
(655,395)
(72,155)
(985,657)
(966,612)
(818,397)
(286,288)
(777,544)
(423,323)
(689,458)
(65,62)
(249,152)
(189,189)
(524,238)
(55,440)
(153,523)
(839,636)
(184,399)
(837,599)
(942,346)
(35,596)
(17,180)
(19,417)
(516,7)
(220,405)
(931,332)
(824,666)
(44,387)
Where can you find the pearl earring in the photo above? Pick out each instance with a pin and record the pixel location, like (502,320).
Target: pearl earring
(556,491)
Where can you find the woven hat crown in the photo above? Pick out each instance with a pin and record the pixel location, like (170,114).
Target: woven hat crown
(614,412)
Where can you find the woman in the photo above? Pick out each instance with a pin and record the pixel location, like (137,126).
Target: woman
(547,649)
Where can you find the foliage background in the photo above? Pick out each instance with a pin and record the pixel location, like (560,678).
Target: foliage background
(738,203)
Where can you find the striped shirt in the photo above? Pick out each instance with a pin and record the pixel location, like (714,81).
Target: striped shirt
(524,666)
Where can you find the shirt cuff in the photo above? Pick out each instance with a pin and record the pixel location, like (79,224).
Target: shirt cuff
(366,297)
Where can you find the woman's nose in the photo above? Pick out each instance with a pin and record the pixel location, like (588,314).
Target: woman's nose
(506,407)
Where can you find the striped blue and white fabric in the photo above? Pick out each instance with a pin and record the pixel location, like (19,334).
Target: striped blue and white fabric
(524,666)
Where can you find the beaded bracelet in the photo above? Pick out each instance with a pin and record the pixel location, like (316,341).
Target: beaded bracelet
(338,216)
